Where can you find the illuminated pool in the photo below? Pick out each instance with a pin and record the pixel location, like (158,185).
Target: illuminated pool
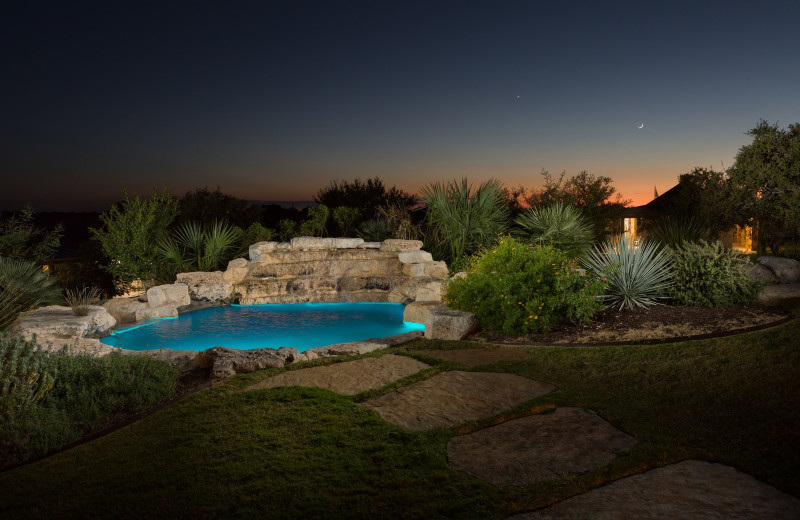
(298,325)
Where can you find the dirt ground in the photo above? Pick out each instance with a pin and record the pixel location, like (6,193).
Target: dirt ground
(657,324)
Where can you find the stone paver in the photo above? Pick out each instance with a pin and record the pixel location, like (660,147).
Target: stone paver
(689,489)
(451,398)
(538,447)
(473,357)
(350,377)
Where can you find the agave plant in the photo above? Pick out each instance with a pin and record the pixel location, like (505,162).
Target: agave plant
(23,286)
(637,276)
(558,225)
(460,218)
(191,248)
(672,232)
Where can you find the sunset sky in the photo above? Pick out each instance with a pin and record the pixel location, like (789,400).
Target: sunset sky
(272,100)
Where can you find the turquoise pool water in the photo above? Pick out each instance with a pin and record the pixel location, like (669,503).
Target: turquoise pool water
(298,325)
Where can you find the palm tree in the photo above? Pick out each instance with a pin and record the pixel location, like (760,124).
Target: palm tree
(23,287)
(460,219)
(559,225)
(191,248)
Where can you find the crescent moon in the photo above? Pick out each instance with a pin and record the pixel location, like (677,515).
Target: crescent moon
(641,126)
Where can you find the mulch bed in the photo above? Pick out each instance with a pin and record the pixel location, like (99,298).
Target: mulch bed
(658,324)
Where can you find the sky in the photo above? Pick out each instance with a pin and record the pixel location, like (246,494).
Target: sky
(273,100)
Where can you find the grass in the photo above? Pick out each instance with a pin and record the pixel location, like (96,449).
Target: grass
(299,452)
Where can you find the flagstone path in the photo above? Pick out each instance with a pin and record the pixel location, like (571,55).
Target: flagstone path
(538,447)
(548,446)
(348,378)
(689,489)
(452,398)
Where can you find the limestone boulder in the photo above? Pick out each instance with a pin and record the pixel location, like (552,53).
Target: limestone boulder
(786,270)
(259,248)
(206,286)
(184,360)
(347,243)
(236,271)
(436,270)
(306,243)
(760,272)
(58,322)
(124,309)
(444,323)
(176,294)
(370,245)
(396,245)
(226,362)
(154,312)
(417,289)
(417,312)
(414,257)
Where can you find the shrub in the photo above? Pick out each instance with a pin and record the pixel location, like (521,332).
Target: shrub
(708,275)
(558,225)
(672,232)
(374,230)
(519,288)
(638,276)
(49,400)
(346,218)
(314,225)
(79,300)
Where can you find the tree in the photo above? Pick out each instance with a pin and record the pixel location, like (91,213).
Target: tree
(765,183)
(21,239)
(704,197)
(461,218)
(367,196)
(207,207)
(131,233)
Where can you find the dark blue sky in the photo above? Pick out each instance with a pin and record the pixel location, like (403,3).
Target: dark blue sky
(272,100)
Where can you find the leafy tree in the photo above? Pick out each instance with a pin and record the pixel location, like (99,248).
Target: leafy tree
(314,225)
(21,239)
(367,196)
(703,196)
(765,183)
(461,218)
(346,219)
(131,233)
(590,193)
(207,207)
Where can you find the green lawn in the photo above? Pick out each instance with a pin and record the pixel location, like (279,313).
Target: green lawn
(308,453)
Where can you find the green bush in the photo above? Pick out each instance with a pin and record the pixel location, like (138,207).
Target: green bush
(558,225)
(711,276)
(374,230)
(638,276)
(23,286)
(520,288)
(672,232)
(49,400)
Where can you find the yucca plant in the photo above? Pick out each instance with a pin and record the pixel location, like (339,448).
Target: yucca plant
(637,276)
(672,231)
(558,225)
(23,286)
(461,218)
(79,300)
(192,248)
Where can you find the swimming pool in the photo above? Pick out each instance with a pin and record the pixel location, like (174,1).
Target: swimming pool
(298,325)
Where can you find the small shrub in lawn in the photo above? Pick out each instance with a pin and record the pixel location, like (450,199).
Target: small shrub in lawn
(48,400)
(519,288)
(711,276)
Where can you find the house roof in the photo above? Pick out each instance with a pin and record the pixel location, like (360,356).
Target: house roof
(655,206)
